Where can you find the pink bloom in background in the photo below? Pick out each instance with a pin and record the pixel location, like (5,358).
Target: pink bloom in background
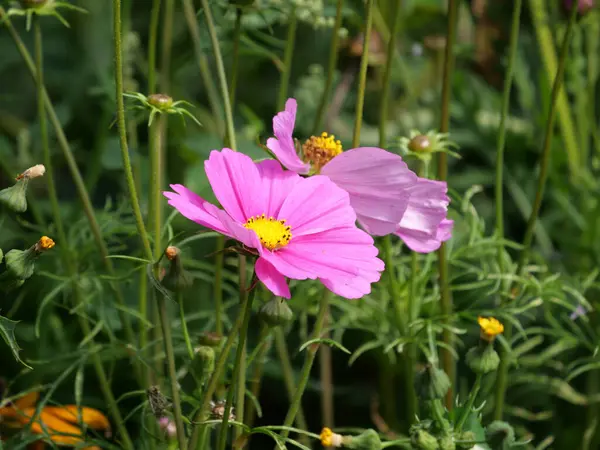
(167,426)
(301,228)
(385,194)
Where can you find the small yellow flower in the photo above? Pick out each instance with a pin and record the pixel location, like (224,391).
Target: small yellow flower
(330,439)
(490,327)
(45,243)
(171,252)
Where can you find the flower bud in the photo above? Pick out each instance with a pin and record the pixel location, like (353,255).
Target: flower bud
(422,440)
(432,383)
(275,312)
(203,364)
(367,440)
(210,339)
(160,101)
(330,439)
(499,435)
(176,278)
(15,197)
(467,438)
(447,443)
(20,264)
(420,144)
(483,358)
(167,426)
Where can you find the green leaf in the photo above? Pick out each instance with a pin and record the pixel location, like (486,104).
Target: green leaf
(329,342)
(7,330)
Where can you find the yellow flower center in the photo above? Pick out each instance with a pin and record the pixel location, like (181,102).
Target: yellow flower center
(326,437)
(273,233)
(490,327)
(319,150)
(45,243)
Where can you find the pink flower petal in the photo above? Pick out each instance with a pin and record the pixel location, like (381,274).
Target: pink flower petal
(421,242)
(282,145)
(195,208)
(316,205)
(427,207)
(237,231)
(271,278)
(276,185)
(378,183)
(236,183)
(351,289)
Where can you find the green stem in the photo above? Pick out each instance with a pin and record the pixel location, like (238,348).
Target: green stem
(66,253)
(362,75)
(168,340)
(152,39)
(78,181)
(241,369)
(230,134)
(218,294)
(469,405)
(502,376)
(288,373)
(203,65)
(237,33)
(311,352)
(155,138)
(198,428)
(446,297)
(263,350)
(333,58)
(288,55)
(512,52)
(326,377)
(167,43)
(247,306)
(545,37)
(184,328)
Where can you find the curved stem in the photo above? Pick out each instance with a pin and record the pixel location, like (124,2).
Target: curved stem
(152,39)
(469,405)
(311,352)
(184,328)
(230,134)
(288,55)
(512,52)
(501,379)
(247,306)
(166,329)
(446,297)
(362,75)
(333,58)
(68,258)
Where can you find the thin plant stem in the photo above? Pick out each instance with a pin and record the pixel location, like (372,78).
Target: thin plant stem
(202,61)
(241,375)
(152,40)
(78,181)
(545,37)
(66,254)
(409,360)
(156,145)
(247,307)
(199,429)
(512,52)
(309,358)
(362,75)
(218,293)
(331,65)
(184,328)
(326,376)
(165,50)
(469,405)
(168,339)
(288,55)
(229,126)
(501,379)
(446,296)
(235,59)
(288,373)
(265,339)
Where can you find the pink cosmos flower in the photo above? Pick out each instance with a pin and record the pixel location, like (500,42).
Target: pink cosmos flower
(385,194)
(300,228)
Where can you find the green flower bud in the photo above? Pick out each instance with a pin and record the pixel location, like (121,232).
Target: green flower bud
(499,435)
(422,440)
(447,443)
(203,364)
(432,383)
(468,437)
(275,312)
(176,278)
(15,197)
(483,358)
(160,101)
(420,144)
(210,339)
(368,440)
(20,264)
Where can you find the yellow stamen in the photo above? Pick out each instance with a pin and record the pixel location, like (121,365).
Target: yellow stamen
(273,233)
(490,327)
(319,150)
